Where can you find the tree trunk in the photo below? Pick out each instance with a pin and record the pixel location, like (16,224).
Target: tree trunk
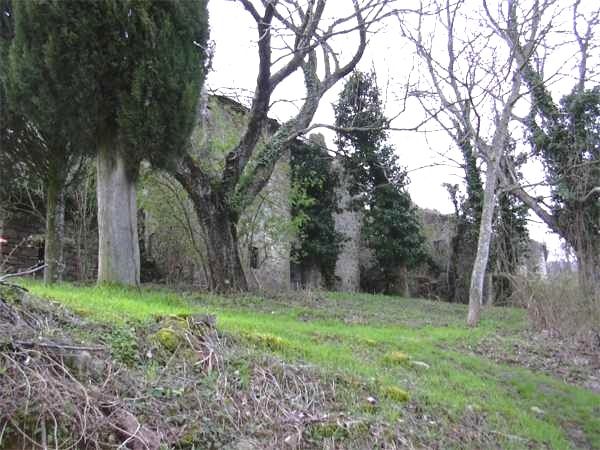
(225,267)
(60,228)
(483,244)
(494,155)
(588,270)
(53,238)
(403,286)
(219,227)
(118,247)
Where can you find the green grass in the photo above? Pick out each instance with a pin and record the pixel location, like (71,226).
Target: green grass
(353,335)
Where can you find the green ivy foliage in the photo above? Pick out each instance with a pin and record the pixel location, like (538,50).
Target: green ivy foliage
(314,202)
(569,145)
(510,244)
(468,219)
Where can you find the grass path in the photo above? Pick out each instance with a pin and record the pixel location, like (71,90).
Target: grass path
(384,343)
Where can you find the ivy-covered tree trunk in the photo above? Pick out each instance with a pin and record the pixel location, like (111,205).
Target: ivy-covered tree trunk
(580,236)
(588,261)
(53,242)
(118,247)
(468,220)
(567,138)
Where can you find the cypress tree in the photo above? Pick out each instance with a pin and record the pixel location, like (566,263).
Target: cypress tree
(120,77)
(30,153)
(391,228)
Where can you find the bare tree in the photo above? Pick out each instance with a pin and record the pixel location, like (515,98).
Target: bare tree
(291,36)
(473,84)
(564,135)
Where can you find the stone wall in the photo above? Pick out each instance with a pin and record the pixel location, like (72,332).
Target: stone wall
(264,229)
(536,261)
(266,245)
(439,230)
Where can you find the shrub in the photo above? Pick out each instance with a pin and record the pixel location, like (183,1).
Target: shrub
(557,304)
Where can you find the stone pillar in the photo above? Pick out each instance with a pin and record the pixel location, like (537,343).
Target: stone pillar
(347,222)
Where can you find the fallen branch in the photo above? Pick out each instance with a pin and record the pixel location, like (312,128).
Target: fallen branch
(59,346)
(22,273)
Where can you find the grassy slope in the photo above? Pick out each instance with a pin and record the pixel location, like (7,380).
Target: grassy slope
(352,334)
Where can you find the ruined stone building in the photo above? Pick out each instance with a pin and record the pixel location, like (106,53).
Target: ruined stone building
(348,222)
(264,230)
(171,240)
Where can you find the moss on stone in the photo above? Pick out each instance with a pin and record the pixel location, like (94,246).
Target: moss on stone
(168,339)
(268,340)
(396,358)
(11,294)
(396,394)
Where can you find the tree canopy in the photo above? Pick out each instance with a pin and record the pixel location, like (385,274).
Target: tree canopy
(119,70)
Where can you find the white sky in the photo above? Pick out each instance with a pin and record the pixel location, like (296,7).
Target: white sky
(427,156)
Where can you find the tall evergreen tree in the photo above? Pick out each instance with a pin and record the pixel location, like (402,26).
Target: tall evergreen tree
(391,226)
(31,153)
(121,77)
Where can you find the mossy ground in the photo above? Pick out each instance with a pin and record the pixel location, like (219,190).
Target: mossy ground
(461,400)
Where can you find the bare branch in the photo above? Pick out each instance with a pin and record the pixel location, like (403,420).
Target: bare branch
(22,273)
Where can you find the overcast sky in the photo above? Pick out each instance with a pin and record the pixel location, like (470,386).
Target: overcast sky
(427,156)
